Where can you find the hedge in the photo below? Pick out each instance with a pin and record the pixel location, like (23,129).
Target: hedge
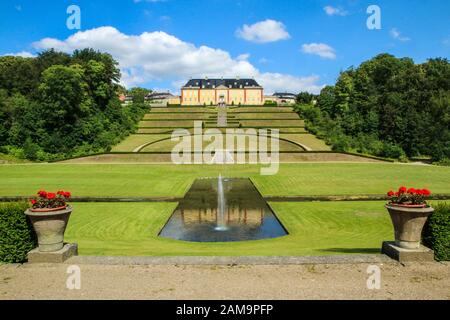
(436,234)
(17,237)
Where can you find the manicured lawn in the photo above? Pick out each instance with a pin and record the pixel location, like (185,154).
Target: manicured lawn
(165,124)
(273,123)
(259,109)
(266,115)
(174,180)
(314,229)
(136,140)
(165,116)
(168,145)
(308,140)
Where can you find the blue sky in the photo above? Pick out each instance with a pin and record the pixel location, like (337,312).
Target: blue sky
(287,45)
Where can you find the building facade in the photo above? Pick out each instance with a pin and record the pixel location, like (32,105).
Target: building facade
(198,92)
(284,98)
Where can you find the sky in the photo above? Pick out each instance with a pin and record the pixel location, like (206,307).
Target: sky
(286,45)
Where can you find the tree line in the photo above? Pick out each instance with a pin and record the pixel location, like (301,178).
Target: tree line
(388,107)
(60,105)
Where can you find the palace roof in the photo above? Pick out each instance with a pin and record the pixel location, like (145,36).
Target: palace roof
(228,83)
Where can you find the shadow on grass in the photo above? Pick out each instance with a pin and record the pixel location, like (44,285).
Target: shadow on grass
(353,250)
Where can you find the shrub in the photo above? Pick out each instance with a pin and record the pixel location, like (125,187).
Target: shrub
(436,234)
(444,162)
(392,151)
(17,236)
(270,103)
(30,150)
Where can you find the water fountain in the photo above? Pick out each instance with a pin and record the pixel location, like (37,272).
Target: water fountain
(221,207)
(222,210)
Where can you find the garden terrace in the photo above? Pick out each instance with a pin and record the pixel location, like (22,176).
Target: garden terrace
(155,130)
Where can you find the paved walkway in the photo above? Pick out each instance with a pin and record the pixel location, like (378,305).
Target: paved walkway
(313,281)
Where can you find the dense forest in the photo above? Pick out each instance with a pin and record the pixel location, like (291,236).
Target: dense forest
(58,105)
(386,107)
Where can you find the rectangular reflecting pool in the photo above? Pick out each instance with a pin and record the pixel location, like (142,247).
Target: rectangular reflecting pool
(223,210)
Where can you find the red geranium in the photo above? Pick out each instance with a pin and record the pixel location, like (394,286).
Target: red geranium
(50,200)
(51,195)
(409,196)
(42,194)
(412,190)
(402,189)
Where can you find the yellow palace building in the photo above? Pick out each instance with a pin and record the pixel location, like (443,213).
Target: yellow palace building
(198,92)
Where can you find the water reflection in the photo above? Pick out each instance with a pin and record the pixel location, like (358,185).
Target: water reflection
(245,216)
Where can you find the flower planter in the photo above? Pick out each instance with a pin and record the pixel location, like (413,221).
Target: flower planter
(50,225)
(48,210)
(408,223)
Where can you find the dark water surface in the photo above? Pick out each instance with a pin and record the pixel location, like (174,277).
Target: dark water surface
(246,216)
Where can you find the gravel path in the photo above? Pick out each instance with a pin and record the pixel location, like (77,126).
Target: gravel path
(321,281)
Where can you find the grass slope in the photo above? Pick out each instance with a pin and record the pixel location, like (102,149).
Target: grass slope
(174,180)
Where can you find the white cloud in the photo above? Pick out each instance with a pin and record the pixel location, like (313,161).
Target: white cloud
(158,56)
(23,54)
(332,11)
(397,35)
(320,49)
(243,57)
(263,32)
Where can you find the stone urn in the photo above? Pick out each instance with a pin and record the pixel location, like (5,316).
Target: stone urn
(408,224)
(50,225)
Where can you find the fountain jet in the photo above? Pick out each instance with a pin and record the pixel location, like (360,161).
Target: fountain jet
(221,220)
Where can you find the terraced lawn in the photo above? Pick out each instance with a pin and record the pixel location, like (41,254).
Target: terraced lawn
(187,116)
(163,143)
(136,140)
(267,115)
(142,180)
(168,145)
(167,124)
(259,109)
(308,140)
(183,110)
(314,229)
(160,122)
(288,123)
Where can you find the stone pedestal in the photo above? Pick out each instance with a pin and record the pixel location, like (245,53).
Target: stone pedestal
(423,253)
(69,250)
